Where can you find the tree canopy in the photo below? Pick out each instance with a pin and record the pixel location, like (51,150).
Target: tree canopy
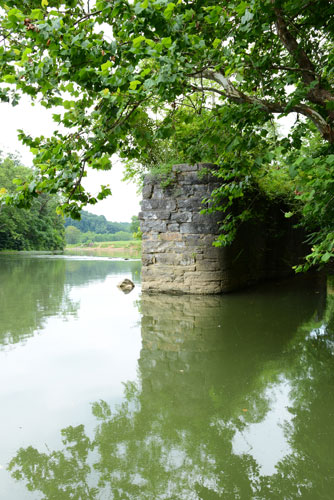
(39,228)
(111,69)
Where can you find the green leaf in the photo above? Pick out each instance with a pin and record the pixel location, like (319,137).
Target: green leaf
(9,78)
(36,14)
(105,66)
(166,42)
(248,16)
(25,55)
(134,84)
(136,42)
(241,8)
(168,12)
(326,257)
(330,105)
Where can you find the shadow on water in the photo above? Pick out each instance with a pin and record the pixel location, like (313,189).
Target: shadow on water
(210,371)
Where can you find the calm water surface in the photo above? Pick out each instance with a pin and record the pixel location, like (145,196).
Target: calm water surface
(112,396)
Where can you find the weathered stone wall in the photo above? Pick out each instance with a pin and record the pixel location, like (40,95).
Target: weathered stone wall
(177,251)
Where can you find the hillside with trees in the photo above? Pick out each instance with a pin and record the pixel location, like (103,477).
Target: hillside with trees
(97,224)
(93,228)
(38,228)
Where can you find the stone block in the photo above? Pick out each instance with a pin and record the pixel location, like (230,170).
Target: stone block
(187,260)
(153,226)
(192,228)
(181,217)
(200,191)
(158,193)
(207,265)
(184,167)
(159,214)
(190,178)
(193,240)
(148,259)
(169,259)
(147,191)
(173,227)
(160,204)
(190,203)
(202,277)
(171,237)
(150,236)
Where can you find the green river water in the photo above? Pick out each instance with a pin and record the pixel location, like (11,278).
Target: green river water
(111,396)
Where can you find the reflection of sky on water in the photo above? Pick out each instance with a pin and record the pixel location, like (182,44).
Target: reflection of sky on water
(266,441)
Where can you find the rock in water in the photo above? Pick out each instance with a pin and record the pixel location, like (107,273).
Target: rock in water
(126,285)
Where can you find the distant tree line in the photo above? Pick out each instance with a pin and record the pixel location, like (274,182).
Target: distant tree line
(96,228)
(38,228)
(97,224)
(74,236)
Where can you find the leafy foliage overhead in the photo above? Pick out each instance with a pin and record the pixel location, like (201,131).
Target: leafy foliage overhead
(109,68)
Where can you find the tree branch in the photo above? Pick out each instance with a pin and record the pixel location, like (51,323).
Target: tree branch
(78,182)
(87,16)
(231,93)
(292,46)
(317,95)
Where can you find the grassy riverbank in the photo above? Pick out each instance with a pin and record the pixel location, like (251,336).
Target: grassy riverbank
(118,249)
(126,249)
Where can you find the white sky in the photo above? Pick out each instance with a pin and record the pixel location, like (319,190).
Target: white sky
(36,120)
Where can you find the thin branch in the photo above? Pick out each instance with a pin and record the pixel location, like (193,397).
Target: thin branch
(87,16)
(78,182)
(120,122)
(289,68)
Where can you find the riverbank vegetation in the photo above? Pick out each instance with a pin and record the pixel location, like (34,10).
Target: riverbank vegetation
(38,228)
(93,228)
(114,249)
(223,70)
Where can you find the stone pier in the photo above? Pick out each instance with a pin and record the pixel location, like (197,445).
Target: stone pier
(177,251)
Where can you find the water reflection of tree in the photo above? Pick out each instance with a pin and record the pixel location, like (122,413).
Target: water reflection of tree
(30,291)
(307,472)
(204,361)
